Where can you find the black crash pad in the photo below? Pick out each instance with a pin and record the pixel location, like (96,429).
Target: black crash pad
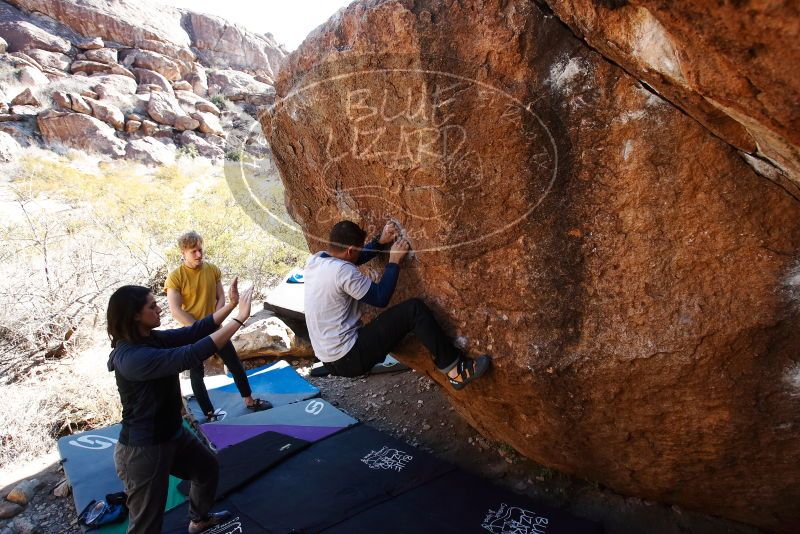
(325,484)
(459,503)
(247,460)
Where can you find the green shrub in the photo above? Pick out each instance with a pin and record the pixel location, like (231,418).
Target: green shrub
(233,155)
(187,151)
(220,101)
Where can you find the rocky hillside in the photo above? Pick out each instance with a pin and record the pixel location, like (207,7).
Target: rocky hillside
(130,79)
(603,196)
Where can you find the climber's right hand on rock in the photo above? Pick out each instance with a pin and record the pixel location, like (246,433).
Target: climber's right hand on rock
(399,250)
(390,233)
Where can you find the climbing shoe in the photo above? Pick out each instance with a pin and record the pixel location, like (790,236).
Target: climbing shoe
(216,415)
(259,405)
(319,370)
(212,520)
(469,370)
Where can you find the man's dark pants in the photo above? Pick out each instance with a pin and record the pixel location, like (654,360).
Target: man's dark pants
(145,472)
(384,332)
(234,365)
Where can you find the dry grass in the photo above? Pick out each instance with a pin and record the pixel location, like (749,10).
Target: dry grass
(55,400)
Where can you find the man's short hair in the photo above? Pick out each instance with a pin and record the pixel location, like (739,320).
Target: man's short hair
(189,240)
(346,234)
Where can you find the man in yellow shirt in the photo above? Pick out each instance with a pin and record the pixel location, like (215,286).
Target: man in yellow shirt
(194,290)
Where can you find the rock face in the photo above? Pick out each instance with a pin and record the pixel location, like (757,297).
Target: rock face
(81,131)
(89,67)
(208,123)
(79,104)
(53,60)
(149,77)
(236,85)
(31,76)
(266,335)
(199,79)
(164,109)
(21,35)
(167,31)
(150,151)
(107,113)
(159,63)
(25,98)
(731,66)
(73,55)
(222,44)
(627,269)
(9,147)
(101,55)
(127,23)
(184,122)
(90,43)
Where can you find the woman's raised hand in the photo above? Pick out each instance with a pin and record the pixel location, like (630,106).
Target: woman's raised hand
(233,292)
(245,302)
(223,335)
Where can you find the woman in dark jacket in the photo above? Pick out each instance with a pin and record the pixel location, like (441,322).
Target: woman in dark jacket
(153,443)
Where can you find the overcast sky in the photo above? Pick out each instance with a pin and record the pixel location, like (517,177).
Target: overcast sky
(288,20)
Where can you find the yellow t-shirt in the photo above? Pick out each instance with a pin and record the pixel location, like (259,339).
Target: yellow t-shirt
(198,288)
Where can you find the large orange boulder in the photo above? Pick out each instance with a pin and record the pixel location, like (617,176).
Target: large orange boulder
(630,273)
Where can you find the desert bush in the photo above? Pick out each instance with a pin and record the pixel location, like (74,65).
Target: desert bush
(187,151)
(220,101)
(233,155)
(54,402)
(83,230)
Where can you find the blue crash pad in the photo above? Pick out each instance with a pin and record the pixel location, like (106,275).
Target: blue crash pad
(278,383)
(310,420)
(88,459)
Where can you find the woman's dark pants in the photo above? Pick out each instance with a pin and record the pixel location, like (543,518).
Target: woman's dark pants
(145,472)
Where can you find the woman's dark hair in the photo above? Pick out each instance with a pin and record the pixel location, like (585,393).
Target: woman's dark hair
(123,306)
(346,234)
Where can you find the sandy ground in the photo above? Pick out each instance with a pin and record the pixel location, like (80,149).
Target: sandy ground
(411,407)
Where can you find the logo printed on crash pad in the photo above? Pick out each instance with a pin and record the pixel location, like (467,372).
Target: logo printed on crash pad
(234,526)
(514,520)
(387,458)
(314,407)
(221,414)
(93,441)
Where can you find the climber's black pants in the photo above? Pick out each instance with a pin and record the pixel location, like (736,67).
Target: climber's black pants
(383,333)
(234,365)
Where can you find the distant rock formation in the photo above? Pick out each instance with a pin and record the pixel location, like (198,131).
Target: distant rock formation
(159,67)
(614,251)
